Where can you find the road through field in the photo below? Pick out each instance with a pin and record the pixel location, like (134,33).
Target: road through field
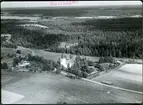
(48,88)
(111,86)
(129,76)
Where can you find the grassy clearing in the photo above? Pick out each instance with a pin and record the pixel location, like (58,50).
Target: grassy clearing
(55,56)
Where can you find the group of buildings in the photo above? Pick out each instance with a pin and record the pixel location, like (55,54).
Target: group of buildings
(68,62)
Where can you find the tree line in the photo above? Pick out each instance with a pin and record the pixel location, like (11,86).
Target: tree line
(101,43)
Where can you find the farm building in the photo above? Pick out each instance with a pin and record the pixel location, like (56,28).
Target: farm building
(8,36)
(22,66)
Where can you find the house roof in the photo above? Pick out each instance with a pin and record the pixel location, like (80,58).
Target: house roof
(24,63)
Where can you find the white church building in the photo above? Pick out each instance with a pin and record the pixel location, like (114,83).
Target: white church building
(64,61)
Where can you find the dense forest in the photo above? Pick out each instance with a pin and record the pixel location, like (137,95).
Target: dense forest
(124,43)
(77,11)
(117,24)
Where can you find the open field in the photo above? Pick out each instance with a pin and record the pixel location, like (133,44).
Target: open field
(50,88)
(51,55)
(24,51)
(129,76)
(47,55)
(55,56)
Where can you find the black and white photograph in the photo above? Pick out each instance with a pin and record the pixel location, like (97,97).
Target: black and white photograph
(71,52)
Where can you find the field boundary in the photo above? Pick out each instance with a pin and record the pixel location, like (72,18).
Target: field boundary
(105,72)
(99,83)
(115,87)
